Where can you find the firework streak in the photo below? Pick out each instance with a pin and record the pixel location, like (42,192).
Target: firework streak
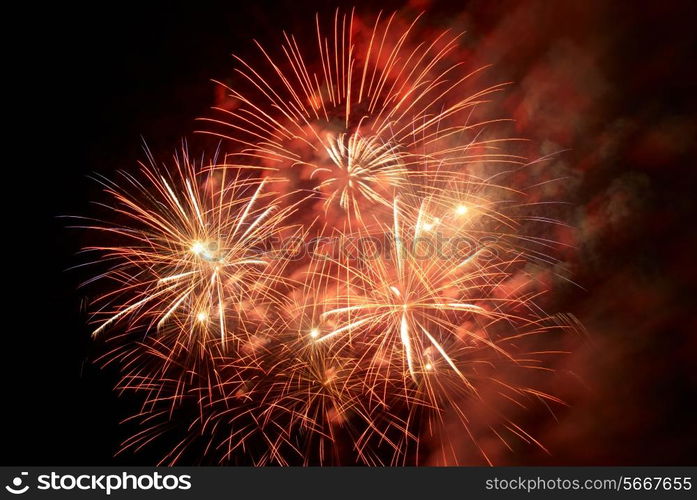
(354,283)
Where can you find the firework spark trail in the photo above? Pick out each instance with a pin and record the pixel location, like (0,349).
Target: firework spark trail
(335,354)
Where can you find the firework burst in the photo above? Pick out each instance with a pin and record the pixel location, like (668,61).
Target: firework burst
(189,251)
(360,117)
(424,320)
(264,345)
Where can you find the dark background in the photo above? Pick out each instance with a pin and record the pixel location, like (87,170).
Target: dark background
(614,85)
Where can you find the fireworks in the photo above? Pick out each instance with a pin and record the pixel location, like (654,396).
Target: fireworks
(360,167)
(376,113)
(351,274)
(403,296)
(189,251)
